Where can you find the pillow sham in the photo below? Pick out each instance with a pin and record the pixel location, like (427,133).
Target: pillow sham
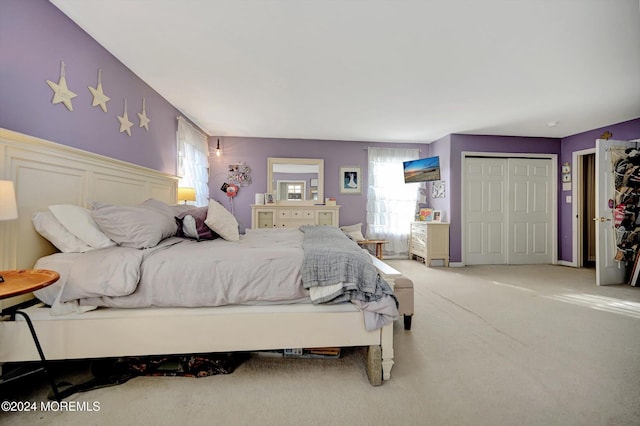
(79,222)
(158,206)
(176,209)
(191,225)
(222,221)
(50,228)
(133,226)
(354,232)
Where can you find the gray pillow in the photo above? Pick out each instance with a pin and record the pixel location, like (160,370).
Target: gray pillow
(133,226)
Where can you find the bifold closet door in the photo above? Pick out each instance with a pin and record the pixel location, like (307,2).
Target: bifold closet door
(508,211)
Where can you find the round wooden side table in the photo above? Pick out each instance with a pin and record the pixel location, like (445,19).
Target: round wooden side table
(15,283)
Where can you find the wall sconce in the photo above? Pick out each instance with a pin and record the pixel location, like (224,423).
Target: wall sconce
(218,150)
(186,194)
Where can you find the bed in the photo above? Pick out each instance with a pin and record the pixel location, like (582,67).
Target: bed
(46,174)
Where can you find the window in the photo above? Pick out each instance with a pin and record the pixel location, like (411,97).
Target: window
(292,190)
(193,160)
(391,203)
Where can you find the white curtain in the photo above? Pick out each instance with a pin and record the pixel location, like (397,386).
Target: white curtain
(391,203)
(193,161)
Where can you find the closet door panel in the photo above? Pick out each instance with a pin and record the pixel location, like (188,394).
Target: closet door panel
(529,185)
(485,211)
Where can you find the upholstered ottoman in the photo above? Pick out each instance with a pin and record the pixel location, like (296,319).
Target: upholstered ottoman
(404,292)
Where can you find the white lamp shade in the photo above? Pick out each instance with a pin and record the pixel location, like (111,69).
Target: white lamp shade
(186,194)
(8,207)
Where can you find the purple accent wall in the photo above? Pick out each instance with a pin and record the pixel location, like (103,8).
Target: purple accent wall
(255,151)
(628,130)
(34,38)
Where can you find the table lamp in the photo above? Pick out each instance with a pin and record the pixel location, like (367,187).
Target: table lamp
(8,206)
(186,194)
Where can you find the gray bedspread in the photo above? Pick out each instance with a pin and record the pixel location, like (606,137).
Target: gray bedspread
(336,270)
(263,267)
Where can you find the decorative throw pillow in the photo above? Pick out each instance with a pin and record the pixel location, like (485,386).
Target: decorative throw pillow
(49,227)
(79,222)
(191,225)
(222,221)
(133,226)
(354,232)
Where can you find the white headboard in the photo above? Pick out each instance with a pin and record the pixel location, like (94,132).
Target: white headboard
(46,173)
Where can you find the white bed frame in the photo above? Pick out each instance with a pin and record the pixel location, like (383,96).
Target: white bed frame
(47,173)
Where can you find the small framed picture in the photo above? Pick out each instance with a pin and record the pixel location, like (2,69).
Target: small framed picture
(313,182)
(268,198)
(437,216)
(438,189)
(426,214)
(350,180)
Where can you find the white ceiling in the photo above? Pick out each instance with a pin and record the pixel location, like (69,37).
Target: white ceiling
(380,70)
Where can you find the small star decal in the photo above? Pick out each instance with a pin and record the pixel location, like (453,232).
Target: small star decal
(61,93)
(125,124)
(144,120)
(99,98)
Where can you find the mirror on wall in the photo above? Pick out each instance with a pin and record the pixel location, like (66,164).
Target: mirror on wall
(296,180)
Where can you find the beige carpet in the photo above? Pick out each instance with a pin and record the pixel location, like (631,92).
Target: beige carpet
(490,345)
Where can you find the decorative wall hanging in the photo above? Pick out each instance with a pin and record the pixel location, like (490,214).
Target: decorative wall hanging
(232,190)
(350,180)
(144,120)
(125,124)
(99,98)
(240,174)
(61,93)
(438,189)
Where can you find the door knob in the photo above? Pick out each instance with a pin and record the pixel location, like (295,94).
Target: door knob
(602,219)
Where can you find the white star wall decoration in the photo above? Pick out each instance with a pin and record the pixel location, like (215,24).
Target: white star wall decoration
(99,98)
(125,124)
(144,120)
(61,93)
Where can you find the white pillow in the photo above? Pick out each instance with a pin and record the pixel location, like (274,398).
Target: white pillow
(222,221)
(354,232)
(79,222)
(49,227)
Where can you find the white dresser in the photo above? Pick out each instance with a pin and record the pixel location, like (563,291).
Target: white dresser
(288,216)
(429,240)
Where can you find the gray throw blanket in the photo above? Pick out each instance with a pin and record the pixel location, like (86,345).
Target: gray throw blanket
(333,261)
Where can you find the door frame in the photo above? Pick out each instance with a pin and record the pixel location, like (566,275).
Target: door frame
(577,221)
(554,195)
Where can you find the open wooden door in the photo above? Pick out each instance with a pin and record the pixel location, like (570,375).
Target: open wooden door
(608,270)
